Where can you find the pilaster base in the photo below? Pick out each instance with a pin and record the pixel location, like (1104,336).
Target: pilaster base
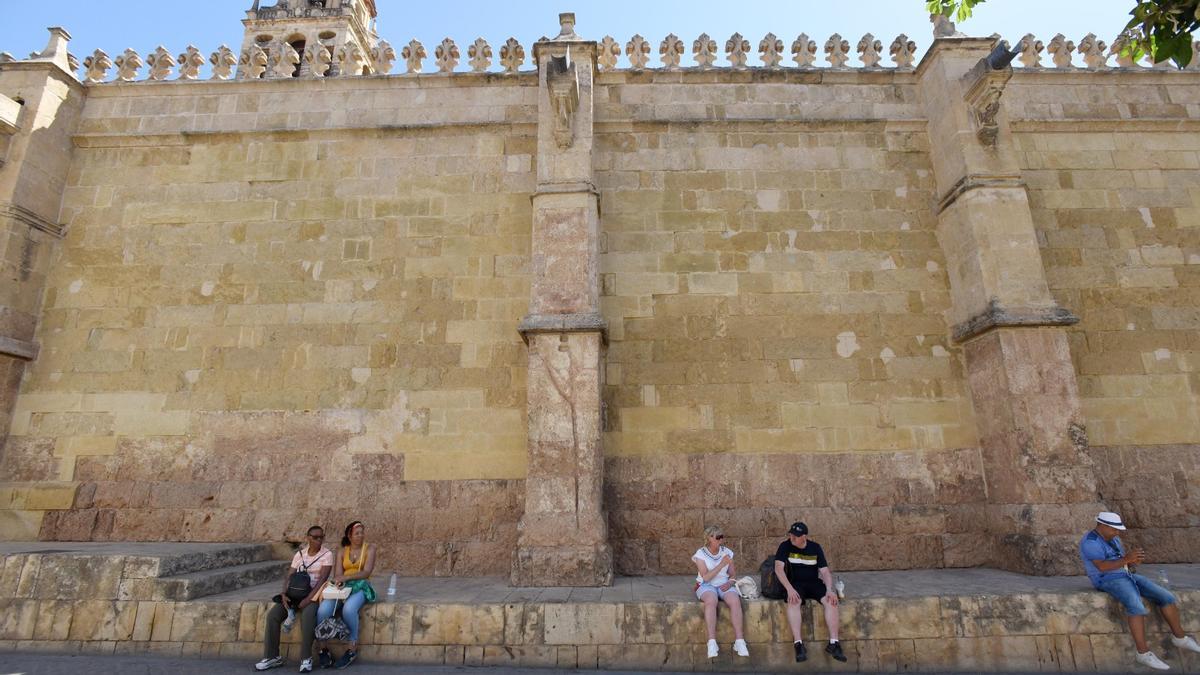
(576,566)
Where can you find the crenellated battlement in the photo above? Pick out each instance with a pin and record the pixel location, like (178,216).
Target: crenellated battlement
(279,59)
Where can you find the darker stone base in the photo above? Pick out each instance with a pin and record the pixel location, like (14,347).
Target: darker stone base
(574,566)
(869,510)
(1154,488)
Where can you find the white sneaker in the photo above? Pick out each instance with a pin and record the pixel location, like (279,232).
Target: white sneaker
(1186,642)
(713,649)
(739,648)
(1151,661)
(267,664)
(306,666)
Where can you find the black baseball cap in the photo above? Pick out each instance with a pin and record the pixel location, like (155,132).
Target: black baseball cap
(798,529)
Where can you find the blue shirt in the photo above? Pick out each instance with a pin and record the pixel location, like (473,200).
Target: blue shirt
(1093,547)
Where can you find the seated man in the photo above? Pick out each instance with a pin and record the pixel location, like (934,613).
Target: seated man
(801,568)
(1108,566)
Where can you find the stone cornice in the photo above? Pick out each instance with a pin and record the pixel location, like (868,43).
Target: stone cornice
(996,316)
(945,44)
(973,181)
(18,349)
(563,323)
(31,219)
(53,69)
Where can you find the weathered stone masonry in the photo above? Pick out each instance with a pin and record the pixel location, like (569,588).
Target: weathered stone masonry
(551,322)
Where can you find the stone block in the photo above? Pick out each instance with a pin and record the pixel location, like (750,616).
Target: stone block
(101,620)
(458,624)
(590,624)
(205,623)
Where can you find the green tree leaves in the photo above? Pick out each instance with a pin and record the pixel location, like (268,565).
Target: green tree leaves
(1160,28)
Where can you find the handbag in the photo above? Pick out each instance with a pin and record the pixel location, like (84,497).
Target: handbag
(332,628)
(334,592)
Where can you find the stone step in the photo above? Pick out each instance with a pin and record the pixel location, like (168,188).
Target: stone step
(213,581)
(228,555)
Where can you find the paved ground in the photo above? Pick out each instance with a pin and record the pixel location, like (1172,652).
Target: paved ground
(45,664)
(899,584)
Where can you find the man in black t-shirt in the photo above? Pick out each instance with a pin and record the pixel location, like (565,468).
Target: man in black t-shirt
(801,567)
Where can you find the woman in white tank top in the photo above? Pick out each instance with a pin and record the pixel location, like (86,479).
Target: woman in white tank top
(714,582)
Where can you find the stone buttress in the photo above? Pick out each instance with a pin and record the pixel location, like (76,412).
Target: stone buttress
(563,538)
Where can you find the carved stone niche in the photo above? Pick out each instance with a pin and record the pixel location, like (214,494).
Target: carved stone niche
(564,98)
(986,86)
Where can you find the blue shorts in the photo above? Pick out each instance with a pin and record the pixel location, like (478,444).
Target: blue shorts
(1129,590)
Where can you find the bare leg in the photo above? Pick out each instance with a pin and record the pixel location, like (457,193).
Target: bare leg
(1171,614)
(831,620)
(735,613)
(710,614)
(795,615)
(1137,626)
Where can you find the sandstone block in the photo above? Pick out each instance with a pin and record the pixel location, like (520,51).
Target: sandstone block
(592,624)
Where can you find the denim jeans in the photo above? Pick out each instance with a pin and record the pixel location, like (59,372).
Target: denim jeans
(1130,588)
(350,608)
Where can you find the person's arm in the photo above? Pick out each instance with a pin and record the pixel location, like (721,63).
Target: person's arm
(1094,551)
(781,573)
(826,575)
(338,574)
(1134,557)
(367,568)
(707,575)
(732,575)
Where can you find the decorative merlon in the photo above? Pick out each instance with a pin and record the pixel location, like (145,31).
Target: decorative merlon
(280,61)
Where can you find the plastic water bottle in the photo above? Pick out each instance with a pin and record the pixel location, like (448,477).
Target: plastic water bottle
(840,587)
(392,586)
(1162,578)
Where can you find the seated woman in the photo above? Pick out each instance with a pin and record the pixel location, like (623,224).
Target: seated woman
(714,582)
(352,567)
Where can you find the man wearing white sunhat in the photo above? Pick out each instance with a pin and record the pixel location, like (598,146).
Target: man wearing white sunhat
(1108,566)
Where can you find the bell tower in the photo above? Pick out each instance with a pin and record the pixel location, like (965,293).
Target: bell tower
(336,26)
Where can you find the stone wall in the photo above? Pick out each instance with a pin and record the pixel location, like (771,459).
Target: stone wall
(825,295)
(264,318)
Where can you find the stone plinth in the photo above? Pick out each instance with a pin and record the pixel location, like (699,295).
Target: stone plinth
(563,535)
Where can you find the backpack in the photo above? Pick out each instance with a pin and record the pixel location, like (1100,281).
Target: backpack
(770,587)
(299,584)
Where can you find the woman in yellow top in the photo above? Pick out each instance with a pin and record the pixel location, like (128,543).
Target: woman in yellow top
(352,567)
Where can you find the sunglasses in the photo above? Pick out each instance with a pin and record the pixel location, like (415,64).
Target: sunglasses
(719,537)
(316,536)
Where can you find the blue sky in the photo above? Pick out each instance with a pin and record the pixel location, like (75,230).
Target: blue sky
(144,24)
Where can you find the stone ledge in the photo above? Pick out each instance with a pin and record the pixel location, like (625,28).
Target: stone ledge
(563,323)
(996,316)
(891,621)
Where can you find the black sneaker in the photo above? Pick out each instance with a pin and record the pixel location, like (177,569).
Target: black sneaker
(801,652)
(349,655)
(325,659)
(834,649)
